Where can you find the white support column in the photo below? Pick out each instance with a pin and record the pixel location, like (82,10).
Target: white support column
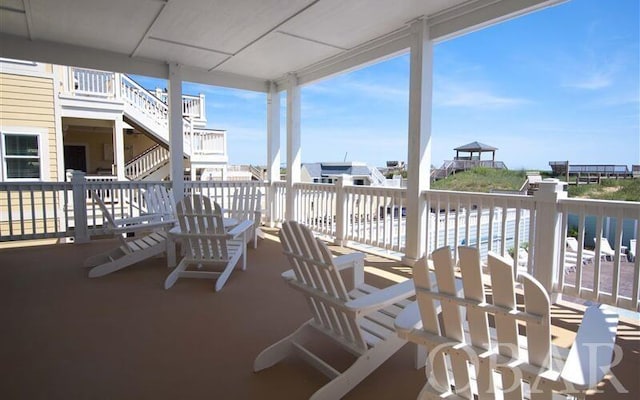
(294,151)
(176,146)
(273,147)
(546,256)
(419,152)
(79,190)
(118,147)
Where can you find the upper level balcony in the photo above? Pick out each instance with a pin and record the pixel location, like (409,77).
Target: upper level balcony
(82,83)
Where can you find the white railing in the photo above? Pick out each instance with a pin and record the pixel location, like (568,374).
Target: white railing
(192,106)
(222,192)
(153,110)
(207,142)
(88,82)
(491,222)
(146,162)
(94,83)
(594,223)
(278,195)
(374,217)
(34,210)
(142,100)
(316,207)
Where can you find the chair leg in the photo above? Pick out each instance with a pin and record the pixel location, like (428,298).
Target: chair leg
(175,274)
(359,370)
(281,349)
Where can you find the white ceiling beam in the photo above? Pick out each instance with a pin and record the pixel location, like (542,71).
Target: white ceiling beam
(474,15)
(19,48)
(357,57)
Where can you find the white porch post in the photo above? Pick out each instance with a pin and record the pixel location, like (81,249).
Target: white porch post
(118,147)
(546,256)
(294,156)
(419,153)
(273,147)
(175,131)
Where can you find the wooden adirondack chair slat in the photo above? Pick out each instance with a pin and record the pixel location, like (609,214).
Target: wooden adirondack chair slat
(496,361)
(206,242)
(366,332)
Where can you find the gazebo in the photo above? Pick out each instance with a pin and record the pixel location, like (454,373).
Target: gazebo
(475,147)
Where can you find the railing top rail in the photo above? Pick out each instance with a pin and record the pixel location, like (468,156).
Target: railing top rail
(594,203)
(375,190)
(501,196)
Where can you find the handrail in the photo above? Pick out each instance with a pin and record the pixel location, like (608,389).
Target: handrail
(146,162)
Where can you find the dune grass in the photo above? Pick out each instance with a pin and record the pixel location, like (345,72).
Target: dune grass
(482,179)
(486,179)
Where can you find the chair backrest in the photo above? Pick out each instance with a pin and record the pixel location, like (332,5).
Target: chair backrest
(202,228)
(107,217)
(572,244)
(319,280)
(246,203)
(160,201)
(464,347)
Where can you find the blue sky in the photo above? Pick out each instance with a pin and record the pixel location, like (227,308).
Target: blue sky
(559,84)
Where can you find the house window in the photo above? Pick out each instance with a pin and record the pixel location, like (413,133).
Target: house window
(21,155)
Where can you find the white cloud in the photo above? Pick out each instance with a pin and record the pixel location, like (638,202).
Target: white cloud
(593,80)
(458,93)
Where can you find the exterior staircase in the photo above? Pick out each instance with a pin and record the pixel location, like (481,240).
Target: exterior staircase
(149,112)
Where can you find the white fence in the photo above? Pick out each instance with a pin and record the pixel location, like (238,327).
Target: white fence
(375,217)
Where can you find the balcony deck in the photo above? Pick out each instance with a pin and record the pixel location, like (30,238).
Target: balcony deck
(124,336)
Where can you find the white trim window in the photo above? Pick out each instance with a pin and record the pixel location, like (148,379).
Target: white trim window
(22,156)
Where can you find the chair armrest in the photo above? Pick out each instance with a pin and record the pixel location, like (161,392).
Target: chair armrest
(382,298)
(240,229)
(590,356)
(348,260)
(288,275)
(351,267)
(408,320)
(139,224)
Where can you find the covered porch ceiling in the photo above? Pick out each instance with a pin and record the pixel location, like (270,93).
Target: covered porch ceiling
(244,44)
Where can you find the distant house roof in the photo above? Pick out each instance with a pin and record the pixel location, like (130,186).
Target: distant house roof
(318,170)
(476,146)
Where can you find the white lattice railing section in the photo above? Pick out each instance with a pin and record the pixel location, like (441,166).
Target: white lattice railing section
(279,201)
(146,162)
(602,224)
(491,222)
(375,216)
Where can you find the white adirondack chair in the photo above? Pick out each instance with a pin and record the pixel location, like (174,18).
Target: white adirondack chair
(360,320)
(206,242)
(468,357)
(247,205)
(573,249)
(130,251)
(606,251)
(160,202)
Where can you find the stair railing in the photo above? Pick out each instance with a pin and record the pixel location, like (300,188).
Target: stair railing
(146,162)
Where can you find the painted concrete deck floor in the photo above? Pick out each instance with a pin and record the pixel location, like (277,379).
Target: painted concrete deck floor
(65,336)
